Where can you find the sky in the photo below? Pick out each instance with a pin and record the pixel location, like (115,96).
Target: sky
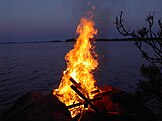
(44,20)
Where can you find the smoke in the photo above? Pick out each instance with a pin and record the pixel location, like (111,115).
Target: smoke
(102,11)
(81,7)
(107,10)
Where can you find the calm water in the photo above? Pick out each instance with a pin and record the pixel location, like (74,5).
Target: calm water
(39,66)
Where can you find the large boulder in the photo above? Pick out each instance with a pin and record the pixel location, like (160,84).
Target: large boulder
(36,107)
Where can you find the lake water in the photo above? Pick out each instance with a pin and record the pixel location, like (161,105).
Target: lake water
(38,67)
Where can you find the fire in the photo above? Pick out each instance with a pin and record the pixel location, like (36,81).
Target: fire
(81,62)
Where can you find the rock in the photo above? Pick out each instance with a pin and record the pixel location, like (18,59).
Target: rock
(36,107)
(115,105)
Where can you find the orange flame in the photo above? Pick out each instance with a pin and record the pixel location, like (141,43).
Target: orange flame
(81,61)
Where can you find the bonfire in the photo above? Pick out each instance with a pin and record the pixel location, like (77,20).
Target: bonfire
(78,83)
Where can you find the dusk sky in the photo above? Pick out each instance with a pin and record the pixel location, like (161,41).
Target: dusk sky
(42,20)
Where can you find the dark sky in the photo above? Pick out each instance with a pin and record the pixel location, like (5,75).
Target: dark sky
(32,20)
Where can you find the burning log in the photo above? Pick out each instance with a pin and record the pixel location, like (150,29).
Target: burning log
(78,104)
(84,98)
(98,96)
(87,101)
(75,83)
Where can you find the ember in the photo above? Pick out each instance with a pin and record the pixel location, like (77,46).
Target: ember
(81,61)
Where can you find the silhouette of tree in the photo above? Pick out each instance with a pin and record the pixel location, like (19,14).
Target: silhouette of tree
(145,36)
(151,86)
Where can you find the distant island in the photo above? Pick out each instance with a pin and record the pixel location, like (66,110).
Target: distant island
(122,39)
(74,40)
(117,39)
(31,42)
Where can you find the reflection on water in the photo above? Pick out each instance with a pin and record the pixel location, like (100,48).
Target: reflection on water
(39,66)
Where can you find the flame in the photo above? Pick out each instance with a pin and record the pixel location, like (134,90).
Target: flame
(81,61)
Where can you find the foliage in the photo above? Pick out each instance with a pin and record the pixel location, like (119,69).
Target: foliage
(151,85)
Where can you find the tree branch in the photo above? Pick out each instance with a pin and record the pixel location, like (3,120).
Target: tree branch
(145,36)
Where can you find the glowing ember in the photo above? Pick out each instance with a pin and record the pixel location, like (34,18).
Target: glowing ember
(81,61)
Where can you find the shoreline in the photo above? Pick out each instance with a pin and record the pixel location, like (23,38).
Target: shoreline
(68,40)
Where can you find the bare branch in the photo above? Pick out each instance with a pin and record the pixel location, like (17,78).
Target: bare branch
(145,36)
(121,28)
